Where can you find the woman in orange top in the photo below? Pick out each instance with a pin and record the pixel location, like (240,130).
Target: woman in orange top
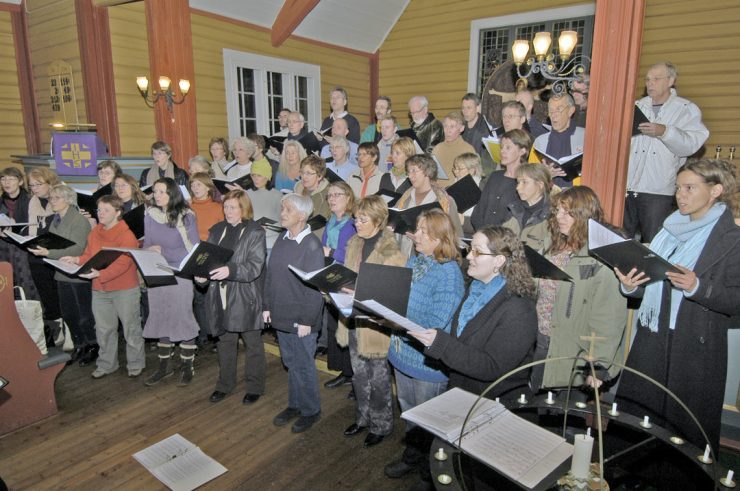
(115,292)
(208,212)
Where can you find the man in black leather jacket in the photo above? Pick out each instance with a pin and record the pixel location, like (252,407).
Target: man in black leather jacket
(428,130)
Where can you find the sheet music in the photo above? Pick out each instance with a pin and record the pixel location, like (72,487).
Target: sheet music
(344,302)
(441,174)
(387,313)
(20,239)
(6,221)
(68,268)
(185,193)
(599,235)
(149,262)
(179,464)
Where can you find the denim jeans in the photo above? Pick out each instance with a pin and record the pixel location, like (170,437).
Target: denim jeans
(303,381)
(412,392)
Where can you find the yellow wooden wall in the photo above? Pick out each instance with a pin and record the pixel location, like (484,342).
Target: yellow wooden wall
(52,31)
(12,136)
(427,51)
(212,35)
(131,59)
(703,41)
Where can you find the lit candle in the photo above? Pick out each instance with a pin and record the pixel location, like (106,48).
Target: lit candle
(581,463)
(646,421)
(588,431)
(522,399)
(614,407)
(730,475)
(706,452)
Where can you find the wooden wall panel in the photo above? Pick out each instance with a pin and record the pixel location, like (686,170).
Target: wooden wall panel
(131,59)
(52,31)
(704,43)
(427,50)
(211,35)
(13,140)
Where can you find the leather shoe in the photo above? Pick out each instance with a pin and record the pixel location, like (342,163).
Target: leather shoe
(372,439)
(351,394)
(90,355)
(338,381)
(76,354)
(398,469)
(305,422)
(285,416)
(354,429)
(250,398)
(217,396)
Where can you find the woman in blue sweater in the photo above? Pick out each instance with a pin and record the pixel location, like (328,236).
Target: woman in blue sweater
(437,288)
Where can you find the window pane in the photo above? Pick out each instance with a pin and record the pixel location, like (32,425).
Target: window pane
(247,100)
(494,50)
(301,95)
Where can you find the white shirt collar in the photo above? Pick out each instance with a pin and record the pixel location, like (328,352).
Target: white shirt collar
(298,238)
(343,114)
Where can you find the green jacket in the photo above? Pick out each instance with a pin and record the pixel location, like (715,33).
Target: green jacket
(75,227)
(591,303)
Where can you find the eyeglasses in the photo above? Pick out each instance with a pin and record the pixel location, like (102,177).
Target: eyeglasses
(476,253)
(36,184)
(557,110)
(335,195)
(308,174)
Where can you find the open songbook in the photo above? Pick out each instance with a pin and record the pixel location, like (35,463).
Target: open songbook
(387,286)
(47,240)
(203,258)
(6,221)
(402,221)
(570,164)
(148,263)
(331,278)
(88,200)
(625,254)
(244,181)
(514,447)
(493,145)
(441,174)
(99,261)
(179,464)
(382,311)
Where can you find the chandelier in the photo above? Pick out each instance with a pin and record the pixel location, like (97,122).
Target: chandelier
(165,92)
(562,74)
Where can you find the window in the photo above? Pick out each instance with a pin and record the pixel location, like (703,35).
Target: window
(257,87)
(491,39)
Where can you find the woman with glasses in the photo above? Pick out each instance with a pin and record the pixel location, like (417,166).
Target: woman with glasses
(568,310)
(366,180)
(163,167)
(494,328)
(40,182)
(339,230)
(126,188)
(422,172)
(171,230)
(219,150)
(437,287)
(74,294)
(115,291)
(313,185)
(500,189)
(107,171)
(368,346)
(14,200)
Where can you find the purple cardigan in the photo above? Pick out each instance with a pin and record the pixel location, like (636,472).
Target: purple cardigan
(347,232)
(169,239)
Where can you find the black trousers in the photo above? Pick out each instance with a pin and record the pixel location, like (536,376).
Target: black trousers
(75,301)
(337,358)
(645,213)
(43,278)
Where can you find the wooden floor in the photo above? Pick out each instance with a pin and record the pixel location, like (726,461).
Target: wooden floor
(101,423)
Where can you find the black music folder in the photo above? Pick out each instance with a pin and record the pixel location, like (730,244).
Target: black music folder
(329,279)
(88,200)
(625,254)
(276,142)
(244,181)
(571,164)
(388,285)
(134,218)
(542,268)
(332,176)
(201,260)
(465,192)
(101,260)
(311,143)
(402,221)
(390,197)
(47,240)
(638,118)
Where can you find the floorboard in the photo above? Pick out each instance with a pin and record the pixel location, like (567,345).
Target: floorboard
(101,423)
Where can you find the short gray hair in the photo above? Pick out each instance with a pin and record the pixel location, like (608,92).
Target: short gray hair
(249,145)
(568,99)
(199,159)
(340,141)
(302,204)
(421,99)
(66,193)
(670,68)
(300,116)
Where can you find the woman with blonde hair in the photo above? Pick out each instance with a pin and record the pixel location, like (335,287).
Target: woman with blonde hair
(396,180)
(163,167)
(368,346)
(289,170)
(529,214)
(218,148)
(313,185)
(437,287)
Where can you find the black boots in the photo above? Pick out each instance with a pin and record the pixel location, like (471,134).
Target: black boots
(187,356)
(163,370)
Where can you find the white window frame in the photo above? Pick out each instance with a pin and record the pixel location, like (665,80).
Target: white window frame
(261,65)
(512,20)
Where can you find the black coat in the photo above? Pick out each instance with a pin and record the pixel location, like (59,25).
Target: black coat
(692,359)
(499,338)
(21,207)
(497,194)
(244,285)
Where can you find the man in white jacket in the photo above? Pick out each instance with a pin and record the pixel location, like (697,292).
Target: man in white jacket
(674,132)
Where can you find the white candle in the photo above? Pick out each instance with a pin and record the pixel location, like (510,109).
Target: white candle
(581,463)
(549,396)
(522,399)
(646,421)
(706,453)
(614,407)
(730,475)
(588,431)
